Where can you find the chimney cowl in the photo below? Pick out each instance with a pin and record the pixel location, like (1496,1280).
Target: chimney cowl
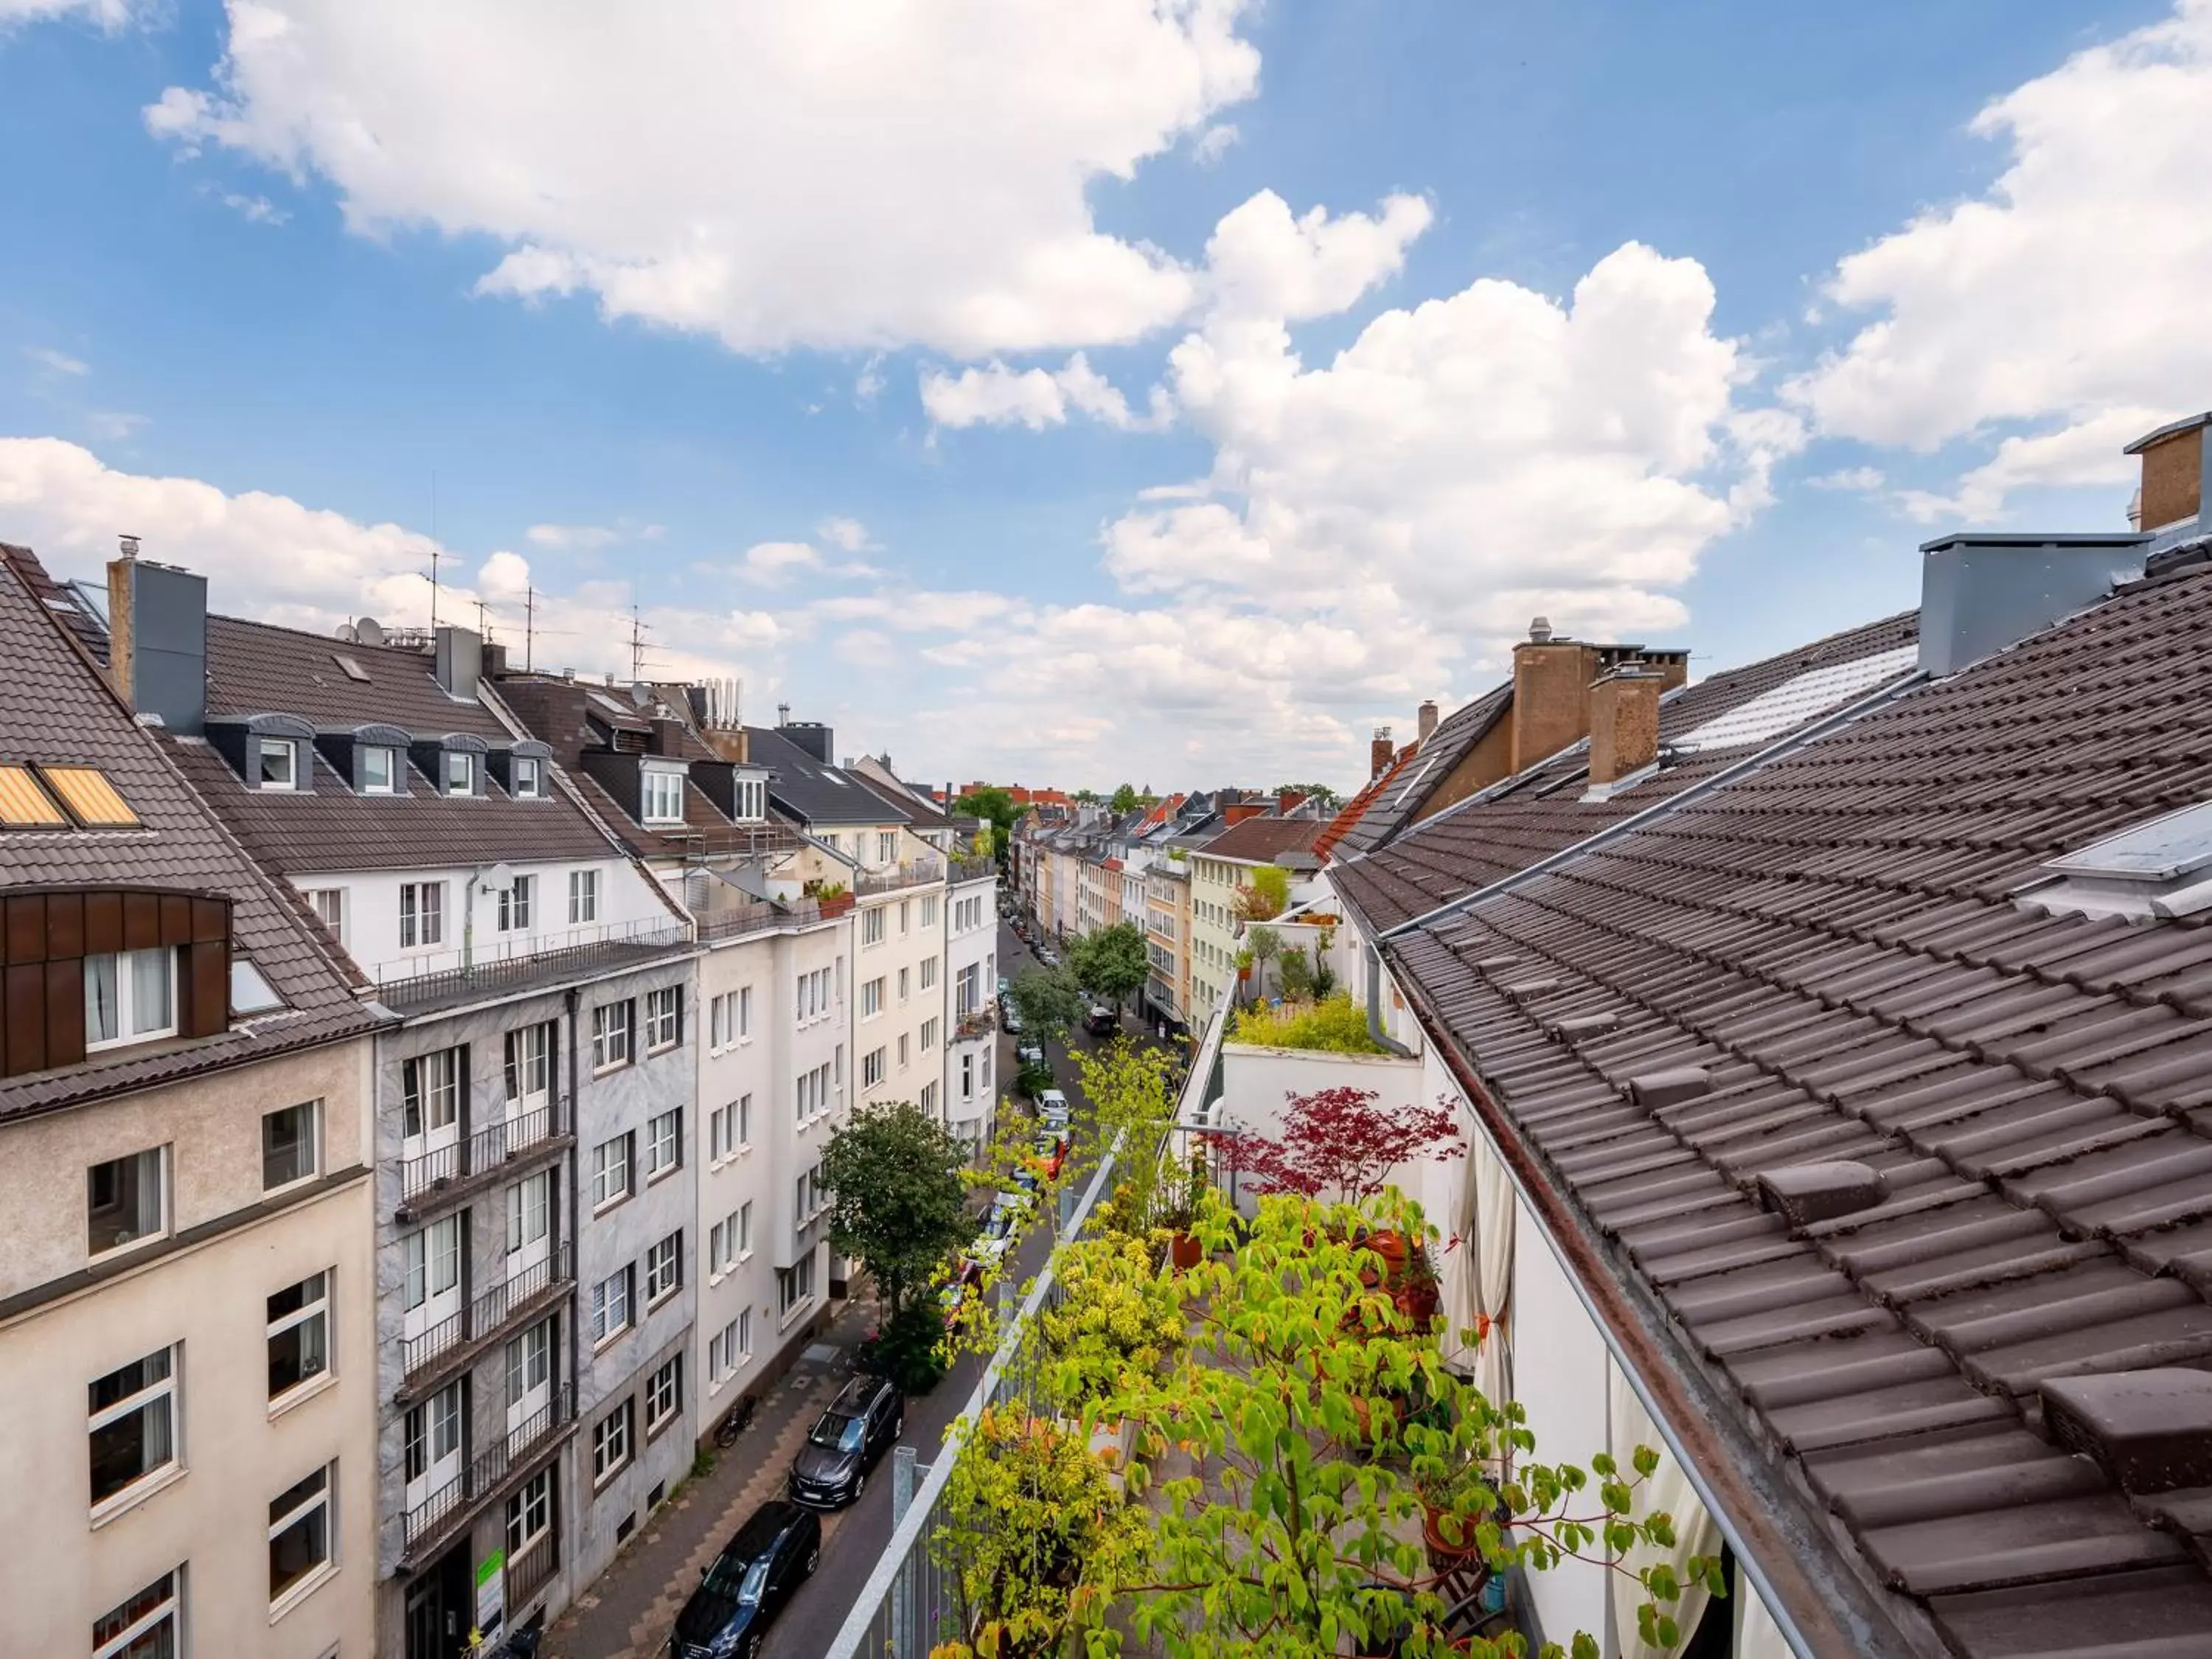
(1540,630)
(458,662)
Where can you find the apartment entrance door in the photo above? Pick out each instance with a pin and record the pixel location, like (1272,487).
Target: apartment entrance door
(438,1609)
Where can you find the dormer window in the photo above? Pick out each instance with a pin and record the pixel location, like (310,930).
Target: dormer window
(378,767)
(660,795)
(752,800)
(280,763)
(460,773)
(528,780)
(129,996)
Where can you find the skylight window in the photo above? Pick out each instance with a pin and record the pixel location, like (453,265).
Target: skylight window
(250,993)
(352,670)
(86,792)
(23,805)
(2159,869)
(280,763)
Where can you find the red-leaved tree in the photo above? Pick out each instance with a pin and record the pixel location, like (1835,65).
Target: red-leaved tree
(1338,1141)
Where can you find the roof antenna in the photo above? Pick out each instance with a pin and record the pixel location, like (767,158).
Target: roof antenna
(529,629)
(483,627)
(638,630)
(434,554)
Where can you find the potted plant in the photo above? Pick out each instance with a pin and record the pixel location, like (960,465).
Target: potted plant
(1417,1293)
(1456,1498)
(1184,1249)
(834,896)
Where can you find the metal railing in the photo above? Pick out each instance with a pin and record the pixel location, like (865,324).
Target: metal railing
(494,966)
(977,1022)
(740,919)
(974,869)
(485,1149)
(491,1309)
(908,872)
(442,1512)
(530,1572)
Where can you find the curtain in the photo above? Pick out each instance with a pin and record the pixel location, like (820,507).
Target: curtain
(1668,1490)
(1757,1635)
(1479,1274)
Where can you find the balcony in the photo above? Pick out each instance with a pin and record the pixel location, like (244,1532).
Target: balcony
(452,1344)
(974,869)
(979,1022)
(416,984)
(740,919)
(448,1174)
(488,1478)
(530,1572)
(908,872)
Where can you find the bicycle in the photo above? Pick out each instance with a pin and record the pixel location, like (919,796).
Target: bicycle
(735,1421)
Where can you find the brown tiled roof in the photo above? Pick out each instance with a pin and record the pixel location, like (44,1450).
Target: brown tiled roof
(1394,807)
(1259,841)
(1348,816)
(258,668)
(1510,825)
(54,706)
(1834,940)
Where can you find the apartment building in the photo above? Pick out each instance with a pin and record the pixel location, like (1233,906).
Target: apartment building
(531,1095)
(1217,869)
(187,1342)
(971,967)
(1167,937)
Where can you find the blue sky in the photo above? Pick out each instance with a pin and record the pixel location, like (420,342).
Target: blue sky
(973,375)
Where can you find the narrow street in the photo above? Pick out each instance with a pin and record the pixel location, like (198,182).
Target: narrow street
(628,1612)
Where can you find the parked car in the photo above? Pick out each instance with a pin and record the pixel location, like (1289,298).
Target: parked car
(745,1587)
(1013,1022)
(1051,1153)
(960,1293)
(1028,1054)
(1052,1101)
(1002,1225)
(1100,1021)
(1005,986)
(831,1469)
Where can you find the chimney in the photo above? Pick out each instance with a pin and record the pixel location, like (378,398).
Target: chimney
(668,739)
(459,662)
(1623,723)
(2177,475)
(1426,723)
(1236,812)
(157,639)
(815,738)
(1287,798)
(1380,753)
(1551,694)
(1980,593)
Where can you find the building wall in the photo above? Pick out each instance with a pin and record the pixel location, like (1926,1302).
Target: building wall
(238,1450)
(1214,928)
(971,946)
(913,933)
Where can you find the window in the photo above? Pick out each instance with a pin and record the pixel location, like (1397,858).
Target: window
(928,1035)
(529,1212)
(583,896)
(298,1333)
(280,763)
(886,846)
(530,1514)
(664,1019)
(530,1364)
(300,1531)
(752,800)
(610,1444)
(377,770)
(721,1248)
(928,972)
(663,1268)
(133,1424)
(745,1013)
(610,1307)
(149,1625)
(610,1033)
(515,904)
(329,904)
(872,926)
(906,908)
(461,771)
(794,1285)
(731,1129)
(732,1347)
(430,1092)
(722,1022)
(664,1144)
(814,1093)
(745,1232)
(966,990)
(127,1200)
(872,1068)
(663,1396)
(611,1172)
(130,998)
(904,975)
(662,796)
(813,997)
(967,1077)
(421,913)
(929,910)
(872,998)
(430,1261)
(809,1196)
(902,1054)
(929,1098)
(526,777)
(289,1148)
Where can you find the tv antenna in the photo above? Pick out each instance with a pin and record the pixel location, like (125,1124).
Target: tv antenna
(639,627)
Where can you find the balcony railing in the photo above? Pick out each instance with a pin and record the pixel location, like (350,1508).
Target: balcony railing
(974,869)
(455,976)
(976,1022)
(443,1512)
(528,1572)
(497,1143)
(740,919)
(489,1313)
(910,872)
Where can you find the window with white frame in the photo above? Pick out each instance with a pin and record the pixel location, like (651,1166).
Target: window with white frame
(127,1200)
(431,1434)
(329,905)
(731,1347)
(872,1068)
(813,1000)
(872,926)
(430,1092)
(132,1422)
(663,1268)
(722,1022)
(129,996)
(661,794)
(664,1144)
(929,1098)
(611,1172)
(300,1534)
(148,1626)
(722,1246)
(515,904)
(611,1306)
(794,1285)
(886,846)
(430,1261)
(905,973)
(928,972)
(745,1013)
(298,1333)
(461,771)
(928,1035)
(530,1365)
(421,913)
(906,910)
(529,1514)
(280,763)
(290,1145)
(968,1077)
(664,1019)
(928,910)
(814,1094)
(611,1446)
(663,1396)
(752,800)
(744,1121)
(745,1229)
(611,1035)
(528,780)
(583,896)
(871,998)
(902,1053)
(810,1197)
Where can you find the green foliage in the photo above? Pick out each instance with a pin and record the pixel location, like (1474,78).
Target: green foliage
(819,887)
(1132,1094)
(1265,896)
(1126,799)
(1326,798)
(1034,1078)
(1119,1315)
(1333,1025)
(1049,1000)
(899,1207)
(1295,970)
(910,1349)
(995,807)
(1111,963)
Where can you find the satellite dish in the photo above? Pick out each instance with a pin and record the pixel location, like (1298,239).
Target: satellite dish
(368,631)
(344,631)
(498,878)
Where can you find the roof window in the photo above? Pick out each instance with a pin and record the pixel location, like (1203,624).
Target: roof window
(23,805)
(250,993)
(279,765)
(350,668)
(90,797)
(2162,868)
(660,797)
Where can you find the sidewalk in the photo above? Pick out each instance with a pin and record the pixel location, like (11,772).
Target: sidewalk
(629,1611)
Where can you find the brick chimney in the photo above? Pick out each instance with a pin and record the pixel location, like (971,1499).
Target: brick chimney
(2177,474)
(157,639)
(1380,753)
(1551,694)
(1426,727)
(1236,812)
(1624,728)
(1286,799)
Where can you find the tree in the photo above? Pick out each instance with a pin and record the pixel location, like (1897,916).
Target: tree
(898,1206)
(996,807)
(1086,797)
(1337,1141)
(1132,1099)
(1266,944)
(1265,896)
(1111,963)
(1126,799)
(1322,795)
(1295,968)
(1047,1000)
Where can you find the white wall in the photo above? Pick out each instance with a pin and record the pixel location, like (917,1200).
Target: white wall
(967,1112)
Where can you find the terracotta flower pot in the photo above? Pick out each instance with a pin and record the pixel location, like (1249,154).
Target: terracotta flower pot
(1448,1534)
(1419,1301)
(1389,1245)
(1185,1251)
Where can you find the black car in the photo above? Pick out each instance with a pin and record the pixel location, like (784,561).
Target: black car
(832,1468)
(746,1586)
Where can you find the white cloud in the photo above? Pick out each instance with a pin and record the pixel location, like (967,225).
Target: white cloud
(772,564)
(995,395)
(590,538)
(839,174)
(2070,292)
(255,209)
(1857,479)
(113,424)
(107,14)
(56,362)
(846,535)
(1213,144)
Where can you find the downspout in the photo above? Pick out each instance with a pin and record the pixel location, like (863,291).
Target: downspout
(1374,1006)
